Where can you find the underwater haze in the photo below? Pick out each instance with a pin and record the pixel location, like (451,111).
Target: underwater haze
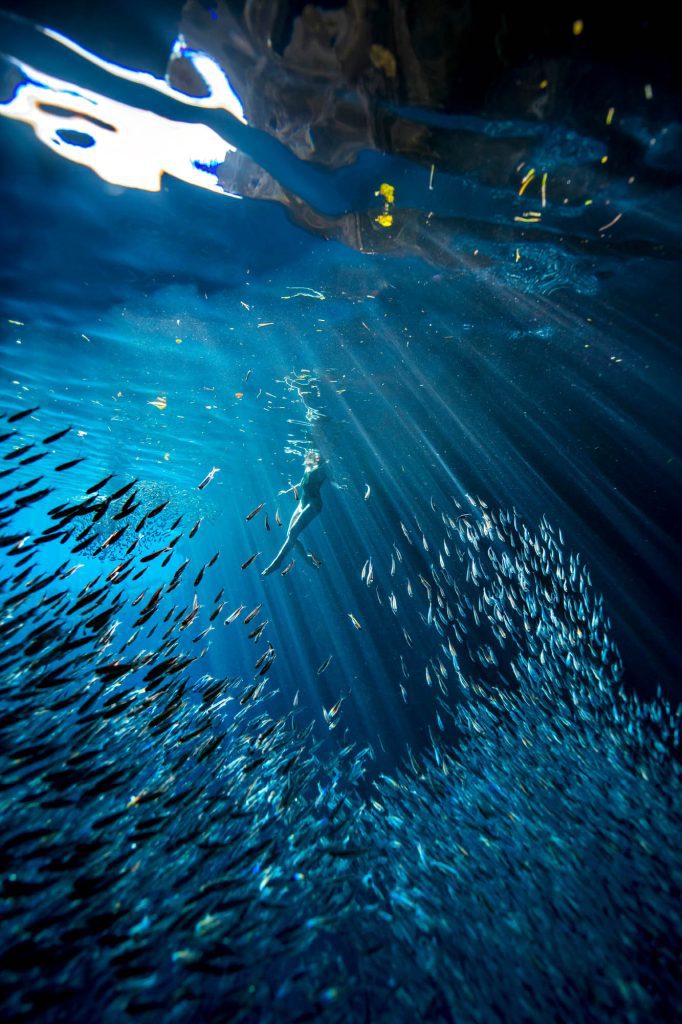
(339,503)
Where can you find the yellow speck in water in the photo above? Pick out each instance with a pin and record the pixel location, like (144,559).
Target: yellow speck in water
(609,116)
(387,191)
(527,180)
(383,60)
(178,341)
(385,219)
(578,26)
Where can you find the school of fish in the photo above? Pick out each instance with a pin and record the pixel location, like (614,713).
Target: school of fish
(175,846)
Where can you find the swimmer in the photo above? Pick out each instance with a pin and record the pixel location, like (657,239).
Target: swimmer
(309,506)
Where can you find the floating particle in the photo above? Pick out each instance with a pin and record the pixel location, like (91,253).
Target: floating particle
(387,191)
(383,60)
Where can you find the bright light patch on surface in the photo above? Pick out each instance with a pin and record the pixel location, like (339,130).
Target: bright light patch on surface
(221,94)
(131,147)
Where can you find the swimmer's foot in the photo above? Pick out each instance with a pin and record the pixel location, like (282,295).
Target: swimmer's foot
(317,562)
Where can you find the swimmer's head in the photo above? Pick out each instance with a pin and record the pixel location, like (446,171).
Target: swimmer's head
(311,459)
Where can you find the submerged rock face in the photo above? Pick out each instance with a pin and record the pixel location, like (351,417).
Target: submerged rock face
(175,846)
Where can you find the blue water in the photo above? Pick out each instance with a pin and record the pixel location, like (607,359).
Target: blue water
(460,363)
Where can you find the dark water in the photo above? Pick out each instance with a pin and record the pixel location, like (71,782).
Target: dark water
(457,279)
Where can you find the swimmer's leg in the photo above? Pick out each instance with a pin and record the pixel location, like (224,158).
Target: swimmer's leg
(303,515)
(279,557)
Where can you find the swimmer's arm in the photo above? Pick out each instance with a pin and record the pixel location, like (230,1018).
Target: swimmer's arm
(292,487)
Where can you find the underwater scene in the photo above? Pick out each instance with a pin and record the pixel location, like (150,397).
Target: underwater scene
(339,512)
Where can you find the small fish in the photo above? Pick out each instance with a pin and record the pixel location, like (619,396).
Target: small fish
(266,654)
(404,529)
(156,511)
(207,479)
(252,614)
(122,490)
(254,512)
(247,563)
(97,486)
(155,554)
(325,665)
(141,524)
(196,526)
(267,522)
(18,452)
(57,436)
(101,509)
(235,614)
(127,508)
(248,374)
(257,632)
(216,612)
(29,499)
(277,519)
(20,415)
(213,560)
(288,568)
(354,620)
(113,537)
(33,458)
(249,693)
(333,712)
(368,491)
